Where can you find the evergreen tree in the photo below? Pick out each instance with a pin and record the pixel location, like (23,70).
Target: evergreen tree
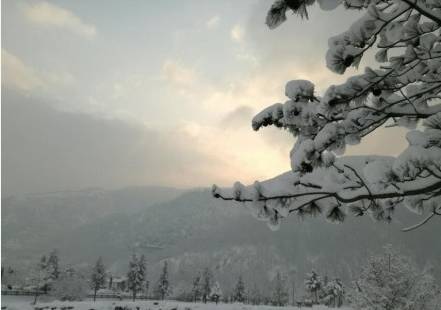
(147,287)
(391,281)
(98,277)
(70,286)
(280,294)
(313,285)
(135,275)
(163,285)
(43,276)
(40,277)
(239,290)
(196,290)
(110,281)
(47,272)
(216,292)
(333,293)
(142,273)
(206,284)
(52,265)
(255,295)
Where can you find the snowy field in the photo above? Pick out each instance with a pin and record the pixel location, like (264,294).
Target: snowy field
(20,303)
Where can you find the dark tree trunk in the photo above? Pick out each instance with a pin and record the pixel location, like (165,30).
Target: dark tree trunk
(36,296)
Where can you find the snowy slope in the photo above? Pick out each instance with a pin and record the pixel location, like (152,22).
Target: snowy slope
(152,305)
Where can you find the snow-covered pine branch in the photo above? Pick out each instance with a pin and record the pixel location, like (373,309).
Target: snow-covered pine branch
(405,90)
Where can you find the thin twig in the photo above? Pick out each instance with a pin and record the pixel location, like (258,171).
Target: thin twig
(419,224)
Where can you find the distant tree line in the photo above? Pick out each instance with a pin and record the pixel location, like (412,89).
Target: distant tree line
(69,284)
(388,280)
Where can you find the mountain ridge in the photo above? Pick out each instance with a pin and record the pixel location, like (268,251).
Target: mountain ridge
(193,224)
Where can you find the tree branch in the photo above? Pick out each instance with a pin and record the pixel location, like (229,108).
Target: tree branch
(340,198)
(413,227)
(423,10)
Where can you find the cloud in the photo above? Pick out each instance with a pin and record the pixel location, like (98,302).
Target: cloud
(213,22)
(17,75)
(237,33)
(231,105)
(298,47)
(247,56)
(245,155)
(253,90)
(201,107)
(178,74)
(22,77)
(45,149)
(238,118)
(47,14)
(383,141)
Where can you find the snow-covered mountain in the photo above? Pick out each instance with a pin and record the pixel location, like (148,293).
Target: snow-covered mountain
(32,223)
(191,230)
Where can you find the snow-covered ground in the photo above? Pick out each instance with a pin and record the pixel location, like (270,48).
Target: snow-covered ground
(14,303)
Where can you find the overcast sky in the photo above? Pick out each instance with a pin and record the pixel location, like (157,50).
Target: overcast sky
(119,93)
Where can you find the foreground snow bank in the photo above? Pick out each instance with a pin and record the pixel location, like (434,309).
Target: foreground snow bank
(142,305)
